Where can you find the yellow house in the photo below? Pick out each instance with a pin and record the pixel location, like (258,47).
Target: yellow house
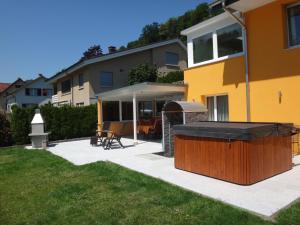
(244,64)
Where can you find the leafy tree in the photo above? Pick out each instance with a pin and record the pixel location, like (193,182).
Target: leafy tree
(172,27)
(171,77)
(142,73)
(92,52)
(5,132)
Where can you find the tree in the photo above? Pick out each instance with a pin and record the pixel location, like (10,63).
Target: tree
(171,77)
(92,52)
(142,73)
(150,34)
(5,132)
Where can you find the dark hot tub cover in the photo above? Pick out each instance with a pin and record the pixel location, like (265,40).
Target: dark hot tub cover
(232,130)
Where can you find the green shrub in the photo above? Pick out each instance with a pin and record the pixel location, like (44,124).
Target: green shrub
(5,132)
(142,73)
(62,122)
(171,77)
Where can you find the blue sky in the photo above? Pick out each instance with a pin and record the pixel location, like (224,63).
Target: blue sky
(45,36)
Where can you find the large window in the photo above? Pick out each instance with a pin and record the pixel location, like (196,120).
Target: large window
(293,13)
(203,48)
(218,108)
(66,86)
(106,79)
(230,40)
(38,92)
(220,43)
(172,58)
(145,110)
(127,111)
(110,111)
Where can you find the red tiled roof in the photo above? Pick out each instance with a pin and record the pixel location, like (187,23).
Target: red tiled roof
(3,86)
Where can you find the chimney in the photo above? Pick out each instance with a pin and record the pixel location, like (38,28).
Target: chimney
(112,49)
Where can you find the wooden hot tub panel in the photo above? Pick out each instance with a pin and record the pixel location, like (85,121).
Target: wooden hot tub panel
(240,162)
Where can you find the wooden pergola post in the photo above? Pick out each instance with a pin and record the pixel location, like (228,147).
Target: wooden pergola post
(100,114)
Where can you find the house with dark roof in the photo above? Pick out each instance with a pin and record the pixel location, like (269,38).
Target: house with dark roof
(78,84)
(26,93)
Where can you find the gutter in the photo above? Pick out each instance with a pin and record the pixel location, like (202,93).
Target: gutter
(245,46)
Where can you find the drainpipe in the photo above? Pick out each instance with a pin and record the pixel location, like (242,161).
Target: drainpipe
(245,47)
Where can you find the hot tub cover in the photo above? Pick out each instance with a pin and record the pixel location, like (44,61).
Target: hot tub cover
(233,131)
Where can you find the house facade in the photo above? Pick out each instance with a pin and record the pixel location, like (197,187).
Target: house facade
(244,63)
(27,93)
(78,84)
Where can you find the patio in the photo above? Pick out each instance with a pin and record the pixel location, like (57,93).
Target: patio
(265,198)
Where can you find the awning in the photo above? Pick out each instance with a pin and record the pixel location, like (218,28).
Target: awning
(143,91)
(181,106)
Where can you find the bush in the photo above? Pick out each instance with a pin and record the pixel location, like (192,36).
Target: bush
(142,73)
(5,132)
(171,77)
(62,122)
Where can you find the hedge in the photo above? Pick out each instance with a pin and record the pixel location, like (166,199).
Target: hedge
(62,122)
(5,132)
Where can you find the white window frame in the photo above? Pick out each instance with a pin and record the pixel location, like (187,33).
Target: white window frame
(216,57)
(288,27)
(215,104)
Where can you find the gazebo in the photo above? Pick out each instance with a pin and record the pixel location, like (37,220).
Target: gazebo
(136,93)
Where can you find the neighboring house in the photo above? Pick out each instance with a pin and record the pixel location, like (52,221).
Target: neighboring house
(78,84)
(28,93)
(8,91)
(266,90)
(3,86)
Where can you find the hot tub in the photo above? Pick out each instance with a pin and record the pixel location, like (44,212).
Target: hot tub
(241,153)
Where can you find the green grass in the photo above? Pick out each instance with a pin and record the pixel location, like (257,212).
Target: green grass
(37,187)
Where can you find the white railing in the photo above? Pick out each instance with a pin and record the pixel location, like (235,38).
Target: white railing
(54,99)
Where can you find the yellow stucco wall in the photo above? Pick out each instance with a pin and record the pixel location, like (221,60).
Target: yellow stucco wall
(226,77)
(274,72)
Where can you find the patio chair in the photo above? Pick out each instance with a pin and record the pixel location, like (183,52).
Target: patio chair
(113,135)
(156,131)
(100,135)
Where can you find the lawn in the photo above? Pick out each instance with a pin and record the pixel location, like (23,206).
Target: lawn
(37,187)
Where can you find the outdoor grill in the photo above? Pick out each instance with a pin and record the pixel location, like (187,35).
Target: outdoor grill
(179,112)
(39,139)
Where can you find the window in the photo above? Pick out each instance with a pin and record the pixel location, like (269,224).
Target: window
(127,111)
(110,111)
(293,13)
(219,43)
(27,91)
(172,58)
(145,110)
(47,92)
(159,107)
(80,104)
(55,89)
(80,80)
(230,40)
(218,108)
(203,48)
(106,79)
(66,86)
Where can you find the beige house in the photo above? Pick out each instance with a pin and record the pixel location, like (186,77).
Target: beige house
(78,84)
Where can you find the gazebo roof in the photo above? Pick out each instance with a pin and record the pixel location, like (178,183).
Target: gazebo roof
(145,91)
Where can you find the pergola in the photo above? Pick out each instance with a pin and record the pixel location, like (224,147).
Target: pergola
(139,92)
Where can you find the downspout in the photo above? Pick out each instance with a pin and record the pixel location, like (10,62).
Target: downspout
(245,47)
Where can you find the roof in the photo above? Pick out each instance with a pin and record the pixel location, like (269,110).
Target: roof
(109,56)
(12,84)
(3,86)
(27,82)
(147,90)
(240,5)
(183,106)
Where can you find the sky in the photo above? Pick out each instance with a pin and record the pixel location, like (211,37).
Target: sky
(45,36)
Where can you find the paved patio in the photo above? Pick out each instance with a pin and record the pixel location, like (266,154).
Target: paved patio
(265,198)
